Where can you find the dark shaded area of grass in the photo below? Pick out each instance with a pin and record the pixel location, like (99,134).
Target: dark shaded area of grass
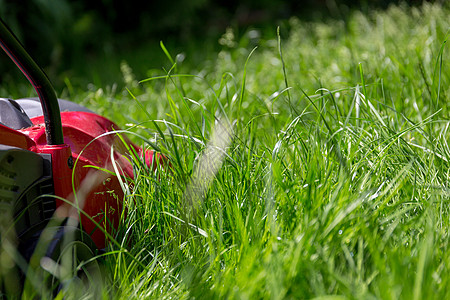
(84,42)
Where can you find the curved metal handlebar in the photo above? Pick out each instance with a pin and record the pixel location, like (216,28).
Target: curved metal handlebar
(52,117)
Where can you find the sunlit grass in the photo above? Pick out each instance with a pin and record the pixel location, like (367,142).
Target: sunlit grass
(338,185)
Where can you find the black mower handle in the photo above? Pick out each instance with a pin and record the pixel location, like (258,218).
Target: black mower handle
(50,108)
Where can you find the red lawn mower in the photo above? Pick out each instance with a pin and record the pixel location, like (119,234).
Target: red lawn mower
(53,157)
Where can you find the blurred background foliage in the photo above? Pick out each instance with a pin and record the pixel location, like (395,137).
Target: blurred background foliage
(76,39)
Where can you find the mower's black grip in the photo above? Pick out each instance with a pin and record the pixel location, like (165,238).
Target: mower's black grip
(11,45)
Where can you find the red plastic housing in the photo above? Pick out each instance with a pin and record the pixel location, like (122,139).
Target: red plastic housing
(90,144)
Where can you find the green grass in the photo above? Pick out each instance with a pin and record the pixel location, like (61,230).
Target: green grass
(312,166)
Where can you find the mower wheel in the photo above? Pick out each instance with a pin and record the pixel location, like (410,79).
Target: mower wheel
(68,266)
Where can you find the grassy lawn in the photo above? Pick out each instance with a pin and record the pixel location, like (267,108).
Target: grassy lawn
(313,165)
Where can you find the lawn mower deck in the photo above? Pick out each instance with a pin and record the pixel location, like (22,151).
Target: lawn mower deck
(89,140)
